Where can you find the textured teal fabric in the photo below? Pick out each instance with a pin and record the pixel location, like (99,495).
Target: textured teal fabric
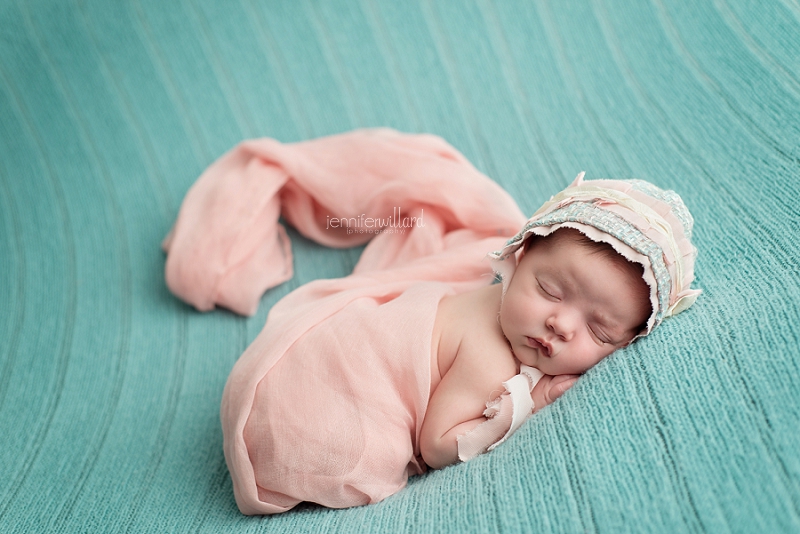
(110,388)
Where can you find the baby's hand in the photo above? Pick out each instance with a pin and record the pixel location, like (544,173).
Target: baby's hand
(549,388)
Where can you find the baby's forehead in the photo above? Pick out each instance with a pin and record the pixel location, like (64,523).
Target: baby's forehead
(595,278)
(564,246)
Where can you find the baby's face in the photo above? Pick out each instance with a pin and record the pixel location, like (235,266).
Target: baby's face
(566,308)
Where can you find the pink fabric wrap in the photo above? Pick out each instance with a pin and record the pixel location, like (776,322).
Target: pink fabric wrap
(327,402)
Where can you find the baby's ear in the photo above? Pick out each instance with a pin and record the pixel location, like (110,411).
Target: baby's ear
(525,246)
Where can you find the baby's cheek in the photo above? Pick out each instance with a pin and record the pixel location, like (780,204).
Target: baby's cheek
(605,353)
(513,310)
(593,355)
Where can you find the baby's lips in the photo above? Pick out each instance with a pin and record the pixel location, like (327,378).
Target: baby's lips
(535,343)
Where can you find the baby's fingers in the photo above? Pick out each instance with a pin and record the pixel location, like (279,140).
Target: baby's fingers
(560,384)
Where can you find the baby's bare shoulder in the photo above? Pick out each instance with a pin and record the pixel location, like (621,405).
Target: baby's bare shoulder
(471,343)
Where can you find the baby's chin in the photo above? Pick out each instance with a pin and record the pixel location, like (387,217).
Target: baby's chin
(552,368)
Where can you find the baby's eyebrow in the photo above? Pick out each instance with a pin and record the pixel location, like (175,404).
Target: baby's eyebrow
(607,322)
(559,278)
(603,319)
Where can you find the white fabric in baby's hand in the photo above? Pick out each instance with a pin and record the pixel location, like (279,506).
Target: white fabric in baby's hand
(505,415)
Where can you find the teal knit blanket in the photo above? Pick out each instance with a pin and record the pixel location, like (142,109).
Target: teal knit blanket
(110,387)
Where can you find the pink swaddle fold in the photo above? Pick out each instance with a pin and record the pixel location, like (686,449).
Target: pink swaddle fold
(327,402)
(227,247)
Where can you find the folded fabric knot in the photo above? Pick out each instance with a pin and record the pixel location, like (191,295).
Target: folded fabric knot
(566,202)
(602,202)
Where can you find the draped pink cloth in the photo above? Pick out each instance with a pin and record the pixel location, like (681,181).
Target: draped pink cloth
(327,402)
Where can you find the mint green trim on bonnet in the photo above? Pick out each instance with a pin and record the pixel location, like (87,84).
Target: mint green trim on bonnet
(645,224)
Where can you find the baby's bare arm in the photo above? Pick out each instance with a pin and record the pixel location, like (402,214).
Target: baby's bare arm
(454,409)
(551,387)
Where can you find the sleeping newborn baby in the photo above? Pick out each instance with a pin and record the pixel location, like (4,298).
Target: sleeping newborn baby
(570,303)
(416,359)
(586,284)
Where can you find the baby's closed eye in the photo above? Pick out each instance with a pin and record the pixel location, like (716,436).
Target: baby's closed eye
(602,337)
(548,290)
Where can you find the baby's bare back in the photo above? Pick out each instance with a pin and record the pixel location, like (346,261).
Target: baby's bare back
(474,360)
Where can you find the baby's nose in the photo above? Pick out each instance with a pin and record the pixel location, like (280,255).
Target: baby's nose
(562,325)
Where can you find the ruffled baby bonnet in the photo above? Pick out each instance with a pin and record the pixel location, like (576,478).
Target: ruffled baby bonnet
(645,224)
